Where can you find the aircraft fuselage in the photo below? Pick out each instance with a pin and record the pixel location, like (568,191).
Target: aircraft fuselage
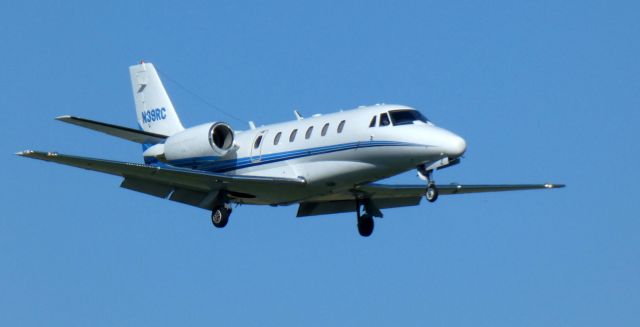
(331,157)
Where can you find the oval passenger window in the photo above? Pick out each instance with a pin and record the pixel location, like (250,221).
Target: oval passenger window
(324,129)
(256,144)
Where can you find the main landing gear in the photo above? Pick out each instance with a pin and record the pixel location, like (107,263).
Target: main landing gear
(220,216)
(365,225)
(365,222)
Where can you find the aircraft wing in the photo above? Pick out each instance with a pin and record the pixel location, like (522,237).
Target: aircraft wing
(193,187)
(126,133)
(380,196)
(381,190)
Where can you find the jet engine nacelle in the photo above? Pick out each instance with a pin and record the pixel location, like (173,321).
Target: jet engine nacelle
(208,140)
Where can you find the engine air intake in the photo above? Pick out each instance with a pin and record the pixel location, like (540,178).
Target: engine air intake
(221,136)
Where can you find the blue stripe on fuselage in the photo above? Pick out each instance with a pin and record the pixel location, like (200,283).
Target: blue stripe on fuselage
(210,163)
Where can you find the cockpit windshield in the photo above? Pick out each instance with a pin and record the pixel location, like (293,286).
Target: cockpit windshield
(407,117)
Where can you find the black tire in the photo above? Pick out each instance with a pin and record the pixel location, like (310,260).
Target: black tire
(220,216)
(432,193)
(365,225)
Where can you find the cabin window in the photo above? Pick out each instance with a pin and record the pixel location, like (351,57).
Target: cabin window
(256,144)
(384,119)
(324,129)
(341,126)
(307,135)
(373,122)
(277,138)
(293,135)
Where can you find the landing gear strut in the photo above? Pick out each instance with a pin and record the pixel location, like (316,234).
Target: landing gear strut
(365,222)
(220,216)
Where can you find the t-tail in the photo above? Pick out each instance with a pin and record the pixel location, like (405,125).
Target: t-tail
(154,110)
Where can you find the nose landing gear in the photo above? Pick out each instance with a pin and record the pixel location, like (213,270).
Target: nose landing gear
(432,190)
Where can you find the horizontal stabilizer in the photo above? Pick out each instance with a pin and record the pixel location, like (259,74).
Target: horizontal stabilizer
(126,133)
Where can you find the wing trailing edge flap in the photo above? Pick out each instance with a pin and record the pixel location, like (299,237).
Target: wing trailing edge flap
(147,187)
(197,199)
(122,132)
(330,207)
(204,200)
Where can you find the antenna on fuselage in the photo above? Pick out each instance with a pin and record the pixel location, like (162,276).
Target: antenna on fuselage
(252,125)
(298,115)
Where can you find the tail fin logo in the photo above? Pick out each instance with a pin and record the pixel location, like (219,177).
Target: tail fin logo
(152,115)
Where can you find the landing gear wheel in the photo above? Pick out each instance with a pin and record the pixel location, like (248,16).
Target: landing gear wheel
(432,193)
(220,216)
(365,225)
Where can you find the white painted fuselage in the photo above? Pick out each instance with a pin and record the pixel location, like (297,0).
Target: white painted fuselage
(330,157)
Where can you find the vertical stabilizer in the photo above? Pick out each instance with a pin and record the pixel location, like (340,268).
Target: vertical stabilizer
(154,110)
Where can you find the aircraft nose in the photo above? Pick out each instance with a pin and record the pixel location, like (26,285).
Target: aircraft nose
(456,146)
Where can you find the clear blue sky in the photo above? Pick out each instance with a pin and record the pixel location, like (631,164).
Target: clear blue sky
(541,90)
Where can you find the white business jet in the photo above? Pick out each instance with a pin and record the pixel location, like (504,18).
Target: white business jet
(325,163)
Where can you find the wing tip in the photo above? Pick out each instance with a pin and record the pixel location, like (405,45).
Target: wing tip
(36,154)
(64,117)
(549,185)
